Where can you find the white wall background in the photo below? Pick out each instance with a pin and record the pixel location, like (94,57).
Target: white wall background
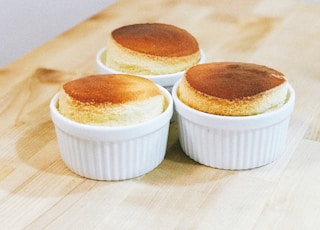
(26,24)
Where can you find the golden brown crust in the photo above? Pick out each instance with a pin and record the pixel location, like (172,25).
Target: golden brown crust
(233,88)
(110,89)
(156,39)
(111,100)
(233,80)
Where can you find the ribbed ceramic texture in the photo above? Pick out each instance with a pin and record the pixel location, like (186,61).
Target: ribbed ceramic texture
(232,149)
(239,142)
(116,160)
(112,153)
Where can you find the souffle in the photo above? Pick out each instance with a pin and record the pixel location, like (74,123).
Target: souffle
(233,88)
(151,49)
(111,100)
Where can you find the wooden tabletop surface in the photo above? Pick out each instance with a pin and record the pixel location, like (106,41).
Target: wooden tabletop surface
(38,191)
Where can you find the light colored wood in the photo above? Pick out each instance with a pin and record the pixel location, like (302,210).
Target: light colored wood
(37,190)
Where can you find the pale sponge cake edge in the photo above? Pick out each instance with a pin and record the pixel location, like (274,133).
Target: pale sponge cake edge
(233,88)
(151,49)
(111,100)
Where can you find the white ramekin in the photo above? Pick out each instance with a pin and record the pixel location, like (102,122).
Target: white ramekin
(165,80)
(112,153)
(235,143)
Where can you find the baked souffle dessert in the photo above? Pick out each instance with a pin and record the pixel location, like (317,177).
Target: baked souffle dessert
(111,100)
(151,49)
(233,88)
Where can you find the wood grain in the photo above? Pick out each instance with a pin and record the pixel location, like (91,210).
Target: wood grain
(38,191)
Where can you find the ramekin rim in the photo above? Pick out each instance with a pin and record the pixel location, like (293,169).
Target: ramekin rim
(151,77)
(288,103)
(164,116)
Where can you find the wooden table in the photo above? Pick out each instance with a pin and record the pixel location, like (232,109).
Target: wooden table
(38,191)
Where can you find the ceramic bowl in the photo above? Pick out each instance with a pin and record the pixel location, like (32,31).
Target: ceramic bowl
(233,142)
(112,153)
